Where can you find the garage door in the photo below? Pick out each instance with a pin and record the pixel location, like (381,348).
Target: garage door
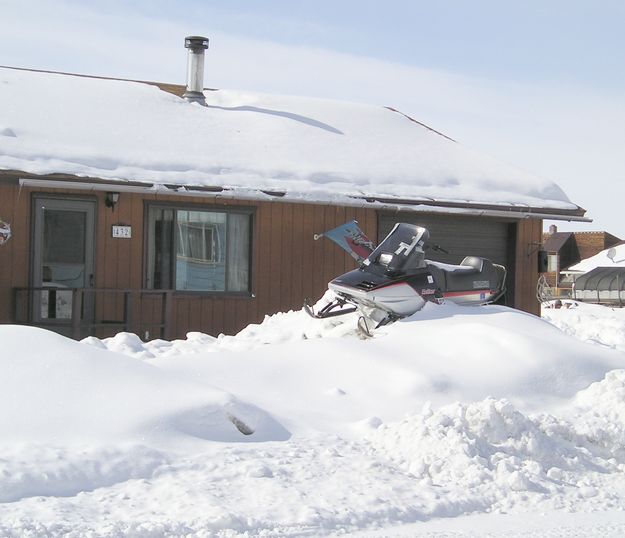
(461,236)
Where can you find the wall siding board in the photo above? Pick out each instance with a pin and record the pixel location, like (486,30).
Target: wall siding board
(318,276)
(275,284)
(297,250)
(252,305)
(333,252)
(207,316)
(347,265)
(529,236)
(230,315)
(286,277)
(263,273)
(195,314)
(136,243)
(308,246)
(218,317)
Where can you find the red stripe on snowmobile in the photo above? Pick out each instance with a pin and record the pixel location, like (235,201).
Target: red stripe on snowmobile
(460,293)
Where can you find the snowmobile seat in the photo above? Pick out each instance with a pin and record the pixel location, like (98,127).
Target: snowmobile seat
(475,262)
(481,274)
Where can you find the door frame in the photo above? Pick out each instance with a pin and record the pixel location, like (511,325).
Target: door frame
(35,276)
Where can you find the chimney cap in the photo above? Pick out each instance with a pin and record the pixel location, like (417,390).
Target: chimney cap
(196,43)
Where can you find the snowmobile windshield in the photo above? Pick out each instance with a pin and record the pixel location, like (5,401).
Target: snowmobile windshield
(401,251)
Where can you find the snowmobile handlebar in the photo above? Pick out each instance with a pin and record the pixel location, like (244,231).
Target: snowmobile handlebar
(437,248)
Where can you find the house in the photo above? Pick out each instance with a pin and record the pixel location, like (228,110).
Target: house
(565,249)
(163,209)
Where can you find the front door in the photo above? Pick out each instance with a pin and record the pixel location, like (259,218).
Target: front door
(63,258)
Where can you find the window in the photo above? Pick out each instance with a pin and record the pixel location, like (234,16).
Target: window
(552,263)
(198,250)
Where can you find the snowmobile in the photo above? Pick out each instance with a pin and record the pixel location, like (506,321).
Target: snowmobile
(395,279)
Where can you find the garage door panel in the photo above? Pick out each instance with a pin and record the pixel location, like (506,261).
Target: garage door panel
(461,236)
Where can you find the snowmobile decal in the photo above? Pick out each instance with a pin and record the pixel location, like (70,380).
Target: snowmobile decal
(395,280)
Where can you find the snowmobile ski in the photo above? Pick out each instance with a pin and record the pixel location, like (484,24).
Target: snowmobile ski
(328,311)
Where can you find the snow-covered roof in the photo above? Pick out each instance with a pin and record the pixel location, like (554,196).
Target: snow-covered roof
(312,149)
(600,260)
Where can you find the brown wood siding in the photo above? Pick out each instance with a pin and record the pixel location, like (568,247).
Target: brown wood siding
(288,265)
(528,241)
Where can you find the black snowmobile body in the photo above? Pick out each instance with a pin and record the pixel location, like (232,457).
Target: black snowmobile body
(396,280)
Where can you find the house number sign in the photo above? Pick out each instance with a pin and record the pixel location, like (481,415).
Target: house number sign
(122,232)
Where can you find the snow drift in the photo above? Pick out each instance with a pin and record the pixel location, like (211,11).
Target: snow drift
(53,389)
(452,411)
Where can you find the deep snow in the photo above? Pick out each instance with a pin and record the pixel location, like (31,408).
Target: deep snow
(455,411)
(313,149)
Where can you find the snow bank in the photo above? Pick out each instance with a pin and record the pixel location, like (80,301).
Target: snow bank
(453,411)
(53,389)
(317,150)
(279,328)
(489,456)
(591,323)
(327,370)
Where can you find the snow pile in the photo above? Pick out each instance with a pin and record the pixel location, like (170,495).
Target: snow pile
(599,412)
(590,323)
(278,328)
(510,415)
(414,359)
(53,390)
(313,149)
(488,456)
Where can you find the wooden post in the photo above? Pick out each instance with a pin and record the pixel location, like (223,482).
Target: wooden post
(76,313)
(15,306)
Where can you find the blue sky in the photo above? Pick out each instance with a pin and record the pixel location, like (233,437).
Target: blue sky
(537,84)
(579,42)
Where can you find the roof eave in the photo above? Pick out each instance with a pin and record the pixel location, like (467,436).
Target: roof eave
(59,180)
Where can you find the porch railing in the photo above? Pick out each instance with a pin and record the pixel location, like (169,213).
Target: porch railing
(79,312)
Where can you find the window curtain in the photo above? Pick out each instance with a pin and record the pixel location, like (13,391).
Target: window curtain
(238,252)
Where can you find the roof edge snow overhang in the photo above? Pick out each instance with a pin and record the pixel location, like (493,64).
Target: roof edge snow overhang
(513,212)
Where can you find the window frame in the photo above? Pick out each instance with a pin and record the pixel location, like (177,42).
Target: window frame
(553,262)
(249,211)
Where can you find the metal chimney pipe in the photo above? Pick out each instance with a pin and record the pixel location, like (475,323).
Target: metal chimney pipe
(195,69)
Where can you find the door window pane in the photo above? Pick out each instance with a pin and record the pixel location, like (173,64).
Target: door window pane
(64,236)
